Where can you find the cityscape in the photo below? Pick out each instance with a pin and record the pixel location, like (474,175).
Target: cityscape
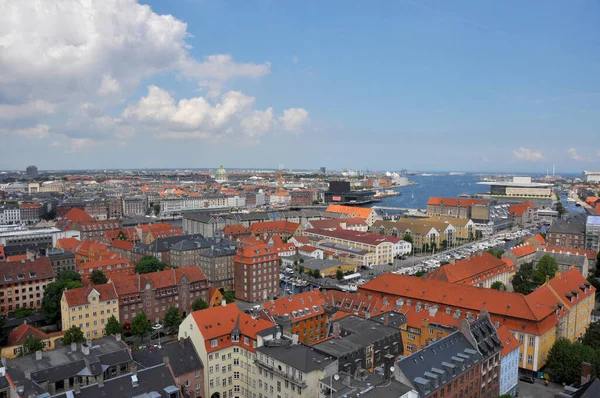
(179,223)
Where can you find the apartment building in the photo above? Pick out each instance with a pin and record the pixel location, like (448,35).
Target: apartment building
(135,206)
(89,308)
(592,230)
(110,267)
(382,249)
(305,315)
(509,362)
(567,233)
(287,368)
(283,229)
(481,270)
(353,224)
(422,325)
(465,364)
(31,213)
(559,308)
(452,207)
(61,260)
(226,339)
(522,214)
(160,247)
(114,208)
(150,232)
(22,283)
(565,261)
(187,253)
(10,214)
(590,254)
(155,292)
(425,233)
(464,228)
(256,272)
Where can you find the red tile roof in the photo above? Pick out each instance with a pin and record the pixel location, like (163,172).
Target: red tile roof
(453,202)
(518,210)
(246,253)
(523,250)
(122,244)
(480,267)
(274,227)
(18,335)
(103,264)
(76,215)
(590,254)
(26,270)
(79,296)
(235,229)
(359,305)
(220,322)
(30,205)
(358,212)
(125,284)
(355,236)
(509,342)
(539,238)
(305,302)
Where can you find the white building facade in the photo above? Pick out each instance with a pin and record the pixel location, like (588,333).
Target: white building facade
(509,372)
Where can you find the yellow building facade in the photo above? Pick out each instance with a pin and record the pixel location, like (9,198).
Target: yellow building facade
(89,308)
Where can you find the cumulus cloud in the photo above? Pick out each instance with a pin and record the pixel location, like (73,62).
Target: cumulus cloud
(34,133)
(197,118)
(527,154)
(574,155)
(80,144)
(59,54)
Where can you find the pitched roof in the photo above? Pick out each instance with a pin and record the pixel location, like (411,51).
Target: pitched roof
(274,227)
(359,212)
(355,236)
(79,296)
(18,335)
(128,284)
(539,238)
(235,229)
(509,342)
(590,254)
(469,268)
(26,270)
(519,210)
(360,305)
(182,355)
(299,306)
(122,244)
(523,250)
(76,215)
(335,223)
(455,202)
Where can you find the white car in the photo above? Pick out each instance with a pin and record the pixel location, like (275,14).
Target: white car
(158,326)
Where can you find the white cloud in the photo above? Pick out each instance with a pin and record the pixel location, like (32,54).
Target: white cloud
(295,60)
(293,119)
(59,54)
(574,155)
(109,85)
(528,154)
(27,109)
(197,118)
(80,144)
(38,132)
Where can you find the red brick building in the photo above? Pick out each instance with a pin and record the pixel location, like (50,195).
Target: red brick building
(111,267)
(22,283)
(256,272)
(31,213)
(155,292)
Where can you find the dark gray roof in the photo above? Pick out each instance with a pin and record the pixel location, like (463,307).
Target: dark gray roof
(571,226)
(255,216)
(356,333)
(298,356)
(199,243)
(486,337)
(62,363)
(182,355)
(3,382)
(201,217)
(395,319)
(151,383)
(439,360)
(590,389)
(164,244)
(562,258)
(370,385)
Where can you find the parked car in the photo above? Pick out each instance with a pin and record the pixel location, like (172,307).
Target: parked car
(527,379)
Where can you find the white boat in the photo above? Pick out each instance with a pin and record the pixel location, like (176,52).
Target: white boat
(571,200)
(351,287)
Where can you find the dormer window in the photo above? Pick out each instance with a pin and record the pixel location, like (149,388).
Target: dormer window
(235,338)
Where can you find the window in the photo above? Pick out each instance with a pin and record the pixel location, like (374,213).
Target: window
(529,359)
(531,341)
(236,375)
(214,343)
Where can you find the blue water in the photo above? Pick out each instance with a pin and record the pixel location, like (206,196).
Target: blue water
(441,186)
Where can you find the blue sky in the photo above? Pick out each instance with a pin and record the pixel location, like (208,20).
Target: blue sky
(422,85)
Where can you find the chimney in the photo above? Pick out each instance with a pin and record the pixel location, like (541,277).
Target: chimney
(118,336)
(433,310)
(367,314)
(73,346)
(38,355)
(452,260)
(223,303)
(388,363)
(100,380)
(295,339)
(85,349)
(336,330)
(134,369)
(28,374)
(386,319)
(166,361)
(586,372)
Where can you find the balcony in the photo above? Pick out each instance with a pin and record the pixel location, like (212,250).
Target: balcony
(287,376)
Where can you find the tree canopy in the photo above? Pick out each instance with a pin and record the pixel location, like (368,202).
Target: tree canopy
(229,296)
(149,264)
(172,318)
(140,325)
(498,286)
(98,277)
(73,335)
(591,338)
(32,344)
(199,304)
(546,267)
(496,252)
(408,238)
(565,358)
(113,326)
(53,293)
(339,274)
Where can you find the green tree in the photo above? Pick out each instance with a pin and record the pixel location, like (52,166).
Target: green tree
(565,358)
(53,294)
(522,281)
(69,275)
(408,238)
(149,264)
(32,344)
(420,274)
(3,332)
(73,335)
(229,296)
(498,286)
(315,273)
(444,244)
(301,269)
(24,312)
(591,338)
(546,267)
(98,277)
(496,252)
(140,326)
(199,304)
(339,274)
(113,326)
(172,318)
